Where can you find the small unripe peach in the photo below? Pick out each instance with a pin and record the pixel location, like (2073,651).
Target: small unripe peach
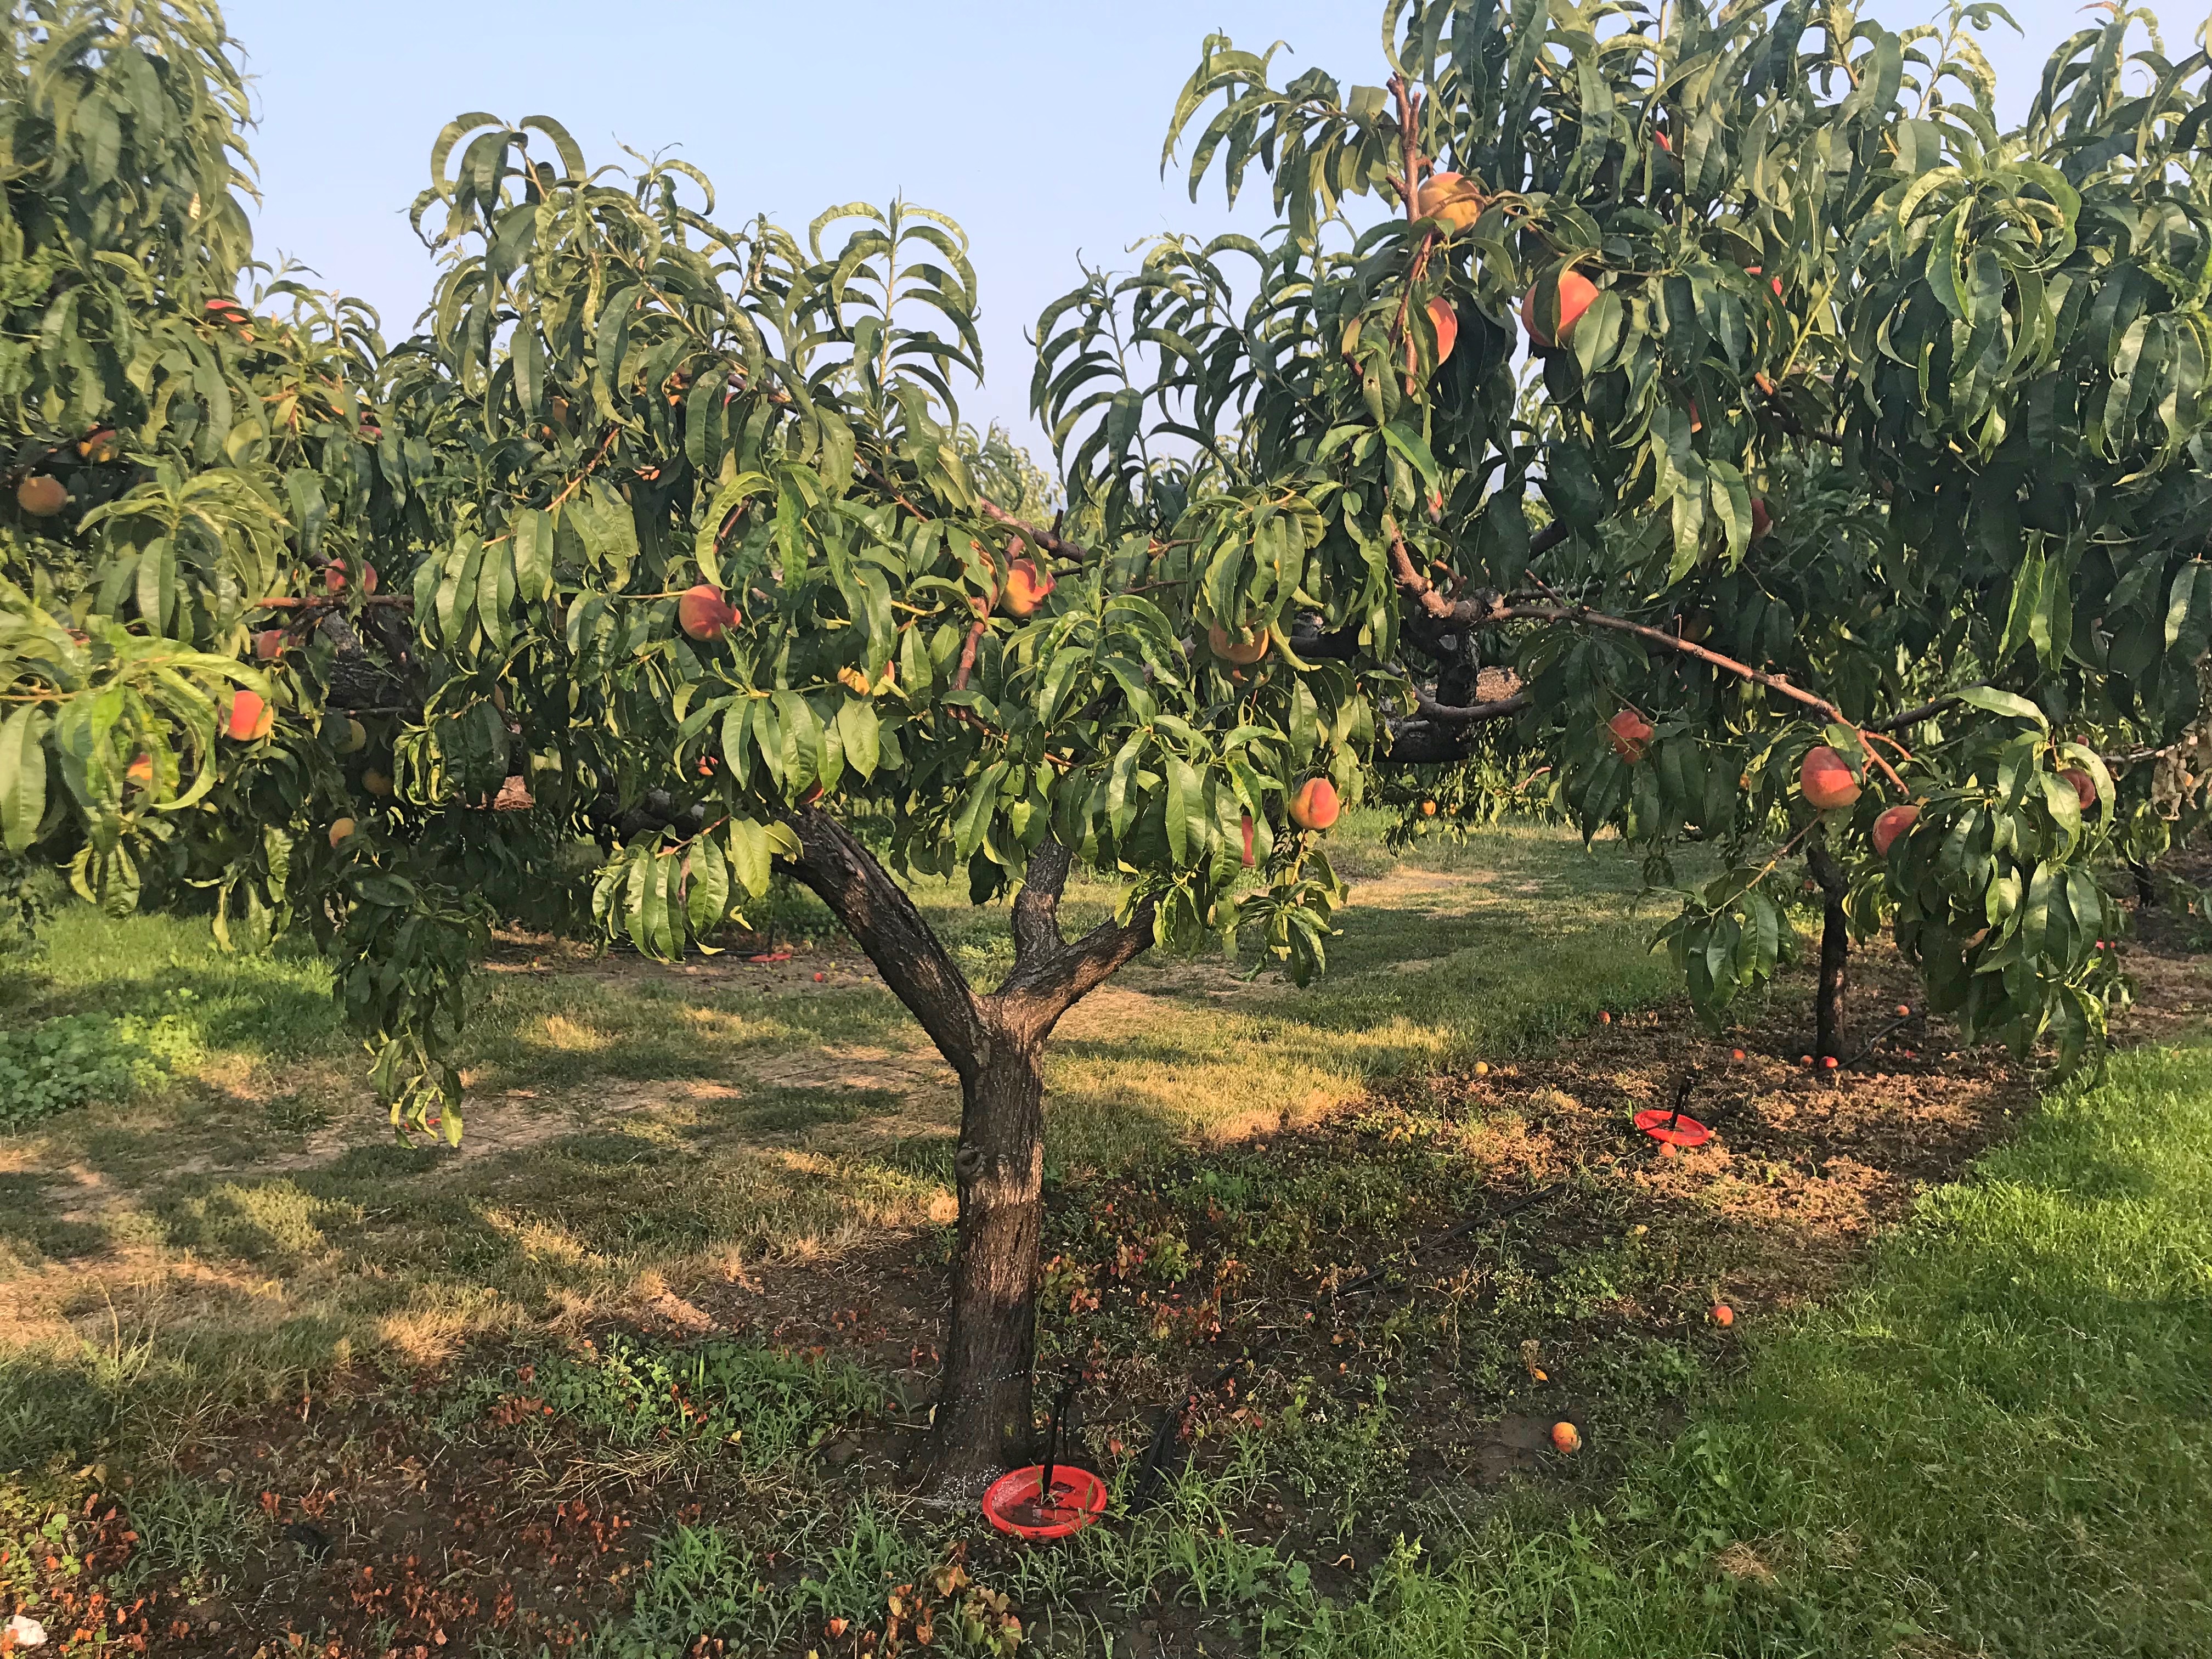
(1450,198)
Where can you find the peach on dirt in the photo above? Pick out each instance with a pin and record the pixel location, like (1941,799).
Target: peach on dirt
(335,576)
(41,495)
(1446,322)
(1566,1437)
(1026,587)
(1576,292)
(2085,787)
(1724,1316)
(703,614)
(1244,647)
(1628,731)
(250,716)
(1891,824)
(1451,199)
(1826,780)
(1314,806)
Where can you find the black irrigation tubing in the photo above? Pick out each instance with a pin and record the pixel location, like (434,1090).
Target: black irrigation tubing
(1900,1020)
(1167,1422)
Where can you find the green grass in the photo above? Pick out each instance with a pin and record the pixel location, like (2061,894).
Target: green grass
(2000,1444)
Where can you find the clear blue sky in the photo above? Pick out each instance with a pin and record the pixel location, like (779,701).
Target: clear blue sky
(1037,126)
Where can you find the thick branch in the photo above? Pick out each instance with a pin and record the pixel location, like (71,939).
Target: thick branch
(1473,613)
(877,912)
(1058,546)
(1036,907)
(1416,743)
(1471,714)
(1038,992)
(1912,716)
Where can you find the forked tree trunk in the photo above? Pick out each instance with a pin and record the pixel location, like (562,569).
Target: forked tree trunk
(984,1418)
(1829,1000)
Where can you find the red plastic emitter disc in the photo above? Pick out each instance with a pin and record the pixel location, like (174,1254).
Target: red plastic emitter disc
(1680,1132)
(1013,1503)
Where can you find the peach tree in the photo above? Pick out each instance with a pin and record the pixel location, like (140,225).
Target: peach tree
(1822,461)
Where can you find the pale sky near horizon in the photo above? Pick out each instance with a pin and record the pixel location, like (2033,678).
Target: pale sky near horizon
(1037,127)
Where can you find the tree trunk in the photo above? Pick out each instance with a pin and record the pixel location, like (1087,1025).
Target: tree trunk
(984,1415)
(996,1043)
(1828,1003)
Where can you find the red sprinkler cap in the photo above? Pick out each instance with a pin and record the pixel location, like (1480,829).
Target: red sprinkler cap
(1013,1505)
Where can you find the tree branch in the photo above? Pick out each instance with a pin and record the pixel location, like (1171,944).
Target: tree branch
(1474,614)
(1471,714)
(876,910)
(1036,907)
(1058,546)
(1038,992)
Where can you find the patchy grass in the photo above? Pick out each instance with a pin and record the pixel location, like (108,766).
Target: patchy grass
(631,1125)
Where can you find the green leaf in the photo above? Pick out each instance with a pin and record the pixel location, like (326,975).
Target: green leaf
(22,777)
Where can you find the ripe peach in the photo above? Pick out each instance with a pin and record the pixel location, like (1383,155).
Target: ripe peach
(268,644)
(1735,1053)
(1761,520)
(1753,271)
(1566,1437)
(1628,731)
(1891,824)
(1314,806)
(1245,823)
(1826,780)
(1724,1316)
(336,576)
(1428,809)
(2085,787)
(1661,140)
(1451,197)
(98,446)
(1026,587)
(41,497)
(703,613)
(141,772)
(1243,647)
(340,830)
(1446,321)
(1576,292)
(250,716)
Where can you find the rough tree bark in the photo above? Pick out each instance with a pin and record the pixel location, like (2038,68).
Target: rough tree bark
(1828,1003)
(995,1043)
